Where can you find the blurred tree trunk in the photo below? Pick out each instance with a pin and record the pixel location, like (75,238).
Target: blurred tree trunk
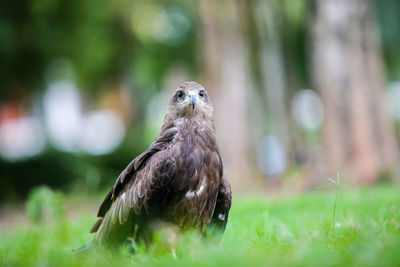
(349,74)
(262,21)
(225,70)
(268,18)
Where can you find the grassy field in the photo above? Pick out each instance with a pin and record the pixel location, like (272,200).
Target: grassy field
(284,231)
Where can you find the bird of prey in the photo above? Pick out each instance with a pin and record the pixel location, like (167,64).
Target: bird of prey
(179,179)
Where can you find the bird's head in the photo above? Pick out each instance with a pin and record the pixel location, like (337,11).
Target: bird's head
(191,99)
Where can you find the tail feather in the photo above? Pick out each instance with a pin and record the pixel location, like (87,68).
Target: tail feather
(96,226)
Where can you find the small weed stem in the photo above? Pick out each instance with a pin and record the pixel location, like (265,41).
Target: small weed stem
(336,200)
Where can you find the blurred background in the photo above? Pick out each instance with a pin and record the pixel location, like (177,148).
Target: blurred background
(302,90)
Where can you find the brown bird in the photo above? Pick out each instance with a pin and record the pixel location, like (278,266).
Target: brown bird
(178,180)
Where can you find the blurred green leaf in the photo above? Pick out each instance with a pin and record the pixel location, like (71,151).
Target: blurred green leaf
(44,204)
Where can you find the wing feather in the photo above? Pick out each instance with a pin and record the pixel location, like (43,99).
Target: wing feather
(147,192)
(223,204)
(166,135)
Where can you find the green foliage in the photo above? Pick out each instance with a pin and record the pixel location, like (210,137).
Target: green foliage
(102,39)
(285,231)
(98,46)
(43,204)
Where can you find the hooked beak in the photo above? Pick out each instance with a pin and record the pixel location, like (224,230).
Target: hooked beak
(192,100)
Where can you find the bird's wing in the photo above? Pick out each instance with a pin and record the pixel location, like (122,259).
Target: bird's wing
(223,204)
(146,194)
(166,135)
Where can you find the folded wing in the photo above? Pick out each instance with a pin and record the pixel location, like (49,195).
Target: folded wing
(223,205)
(142,189)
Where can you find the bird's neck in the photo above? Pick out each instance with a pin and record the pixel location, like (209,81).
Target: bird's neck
(194,125)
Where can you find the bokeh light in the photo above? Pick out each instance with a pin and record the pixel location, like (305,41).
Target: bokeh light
(393,99)
(101,132)
(307,109)
(21,137)
(153,23)
(271,156)
(63,115)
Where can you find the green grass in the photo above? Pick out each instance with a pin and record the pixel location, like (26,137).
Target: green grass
(283,231)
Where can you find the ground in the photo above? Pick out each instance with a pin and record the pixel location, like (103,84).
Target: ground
(302,230)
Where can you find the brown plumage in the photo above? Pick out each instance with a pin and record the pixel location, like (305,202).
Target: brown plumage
(178,180)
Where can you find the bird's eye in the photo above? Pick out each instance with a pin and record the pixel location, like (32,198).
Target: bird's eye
(180,94)
(202,93)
